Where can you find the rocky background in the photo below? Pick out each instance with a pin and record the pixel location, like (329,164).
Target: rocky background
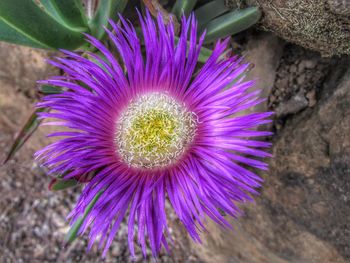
(302,214)
(321,25)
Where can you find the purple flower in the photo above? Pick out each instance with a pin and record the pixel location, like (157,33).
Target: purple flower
(154,127)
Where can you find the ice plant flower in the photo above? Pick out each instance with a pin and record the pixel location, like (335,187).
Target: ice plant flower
(154,128)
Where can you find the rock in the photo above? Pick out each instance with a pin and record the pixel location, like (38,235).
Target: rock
(320,25)
(311,97)
(299,72)
(24,66)
(309,64)
(264,51)
(316,145)
(301,79)
(297,103)
(339,7)
(303,212)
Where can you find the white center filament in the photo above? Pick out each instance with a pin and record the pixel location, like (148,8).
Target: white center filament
(154,131)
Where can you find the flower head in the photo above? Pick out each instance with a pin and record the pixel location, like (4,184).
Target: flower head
(154,128)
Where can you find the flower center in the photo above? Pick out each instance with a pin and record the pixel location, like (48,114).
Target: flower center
(154,131)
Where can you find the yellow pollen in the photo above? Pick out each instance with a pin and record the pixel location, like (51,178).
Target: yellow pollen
(154,131)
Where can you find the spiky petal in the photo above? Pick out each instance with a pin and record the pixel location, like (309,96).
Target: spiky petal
(210,174)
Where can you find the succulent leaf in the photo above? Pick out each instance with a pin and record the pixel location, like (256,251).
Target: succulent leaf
(107,9)
(68,12)
(47,89)
(231,23)
(204,54)
(74,230)
(59,184)
(30,20)
(28,129)
(9,34)
(209,11)
(183,7)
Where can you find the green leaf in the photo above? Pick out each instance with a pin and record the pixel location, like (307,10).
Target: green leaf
(204,54)
(209,11)
(51,9)
(73,231)
(107,9)
(46,89)
(183,7)
(59,184)
(28,129)
(67,12)
(29,20)
(232,23)
(9,34)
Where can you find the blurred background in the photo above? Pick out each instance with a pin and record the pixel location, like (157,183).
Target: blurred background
(300,51)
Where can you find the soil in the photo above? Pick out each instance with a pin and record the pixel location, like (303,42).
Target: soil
(299,79)
(303,210)
(300,71)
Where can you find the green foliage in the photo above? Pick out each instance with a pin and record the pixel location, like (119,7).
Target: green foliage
(51,24)
(231,23)
(204,54)
(74,230)
(35,27)
(67,12)
(54,24)
(183,7)
(60,184)
(107,9)
(32,123)
(28,129)
(209,11)
(46,90)
(10,34)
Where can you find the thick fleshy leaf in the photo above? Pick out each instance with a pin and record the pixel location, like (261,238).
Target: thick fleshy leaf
(58,184)
(9,34)
(209,11)
(28,129)
(30,20)
(204,54)
(46,89)
(68,12)
(231,23)
(107,9)
(73,231)
(183,7)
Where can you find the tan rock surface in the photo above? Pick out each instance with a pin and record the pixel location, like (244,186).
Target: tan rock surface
(320,25)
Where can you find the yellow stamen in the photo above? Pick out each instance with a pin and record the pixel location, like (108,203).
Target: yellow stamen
(154,131)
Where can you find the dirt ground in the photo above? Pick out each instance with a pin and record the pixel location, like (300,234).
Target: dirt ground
(301,215)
